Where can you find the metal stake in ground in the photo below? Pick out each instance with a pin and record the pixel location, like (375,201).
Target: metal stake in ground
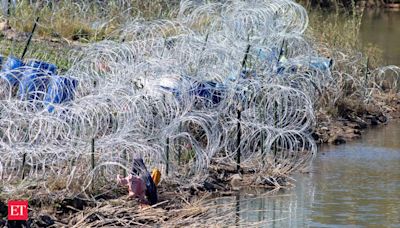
(92,149)
(167,155)
(179,145)
(245,56)
(166,148)
(125,160)
(238,139)
(23,165)
(239,133)
(276,126)
(262,141)
(29,39)
(92,158)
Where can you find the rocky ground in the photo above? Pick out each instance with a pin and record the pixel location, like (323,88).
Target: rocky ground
(352,120)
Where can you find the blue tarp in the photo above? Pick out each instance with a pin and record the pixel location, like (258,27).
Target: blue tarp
(212,91)
(35,79)
(208,90)
(60,89)
(10,68)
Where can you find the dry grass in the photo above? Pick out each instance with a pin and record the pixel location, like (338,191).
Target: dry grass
(175,210)
(56,53)
(85,21)
(340,30)
(177,207)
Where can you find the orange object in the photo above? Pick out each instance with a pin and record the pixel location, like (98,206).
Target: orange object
(156,176)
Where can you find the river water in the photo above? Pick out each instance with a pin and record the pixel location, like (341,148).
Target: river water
(352,185)
(381,27)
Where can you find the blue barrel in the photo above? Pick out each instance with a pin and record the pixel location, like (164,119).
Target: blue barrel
(11,64)
(60,89)
(35,79)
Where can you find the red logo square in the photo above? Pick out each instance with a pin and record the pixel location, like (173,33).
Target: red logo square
(17,210)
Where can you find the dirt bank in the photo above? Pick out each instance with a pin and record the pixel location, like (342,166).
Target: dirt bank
(352,118)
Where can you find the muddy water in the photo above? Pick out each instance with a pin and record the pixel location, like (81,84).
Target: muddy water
(352,185)
(382,28)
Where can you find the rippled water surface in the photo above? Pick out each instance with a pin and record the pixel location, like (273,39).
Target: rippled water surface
(351,185)
(381,27)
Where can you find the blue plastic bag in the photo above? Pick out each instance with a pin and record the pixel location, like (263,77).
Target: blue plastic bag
(12,63)
(35,79)
(211,92)
(44,66)
(59,90)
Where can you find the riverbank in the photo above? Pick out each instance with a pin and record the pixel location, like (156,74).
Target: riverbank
(352,120)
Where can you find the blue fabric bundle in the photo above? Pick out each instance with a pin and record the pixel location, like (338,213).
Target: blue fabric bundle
(210,91)
(35,79)
(11,64)
(59,90)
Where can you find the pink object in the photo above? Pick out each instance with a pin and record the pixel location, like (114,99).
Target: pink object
(136,186)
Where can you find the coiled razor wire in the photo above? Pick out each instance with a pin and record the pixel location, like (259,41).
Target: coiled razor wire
(221,80)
